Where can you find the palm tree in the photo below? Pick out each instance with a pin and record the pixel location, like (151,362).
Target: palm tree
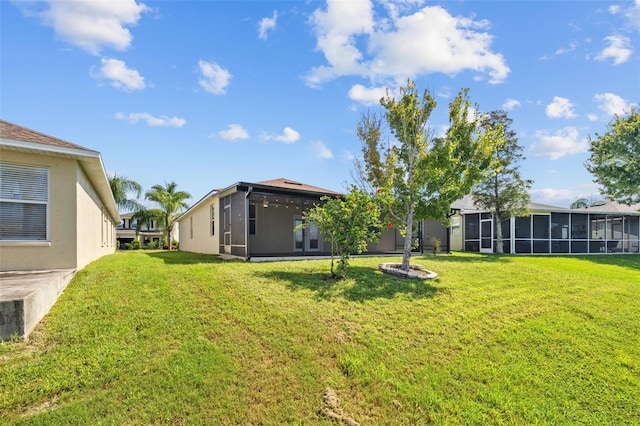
(171,202)
(144,216)
(121,186)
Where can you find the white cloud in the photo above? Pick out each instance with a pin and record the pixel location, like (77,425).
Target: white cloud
(152,121)
(347,155)
(234,132)
(572,46)
(321,150)
(563,142)
(89,24)
(444,92)
(215,79)
(399,47)
(619,49)
(614,9)
(560,108)
(592,117)
(633,15)
(288,136)
(510,104)
(612,104)
(267,24)
(121,77)
(565,196)
(367,95)
(554,197)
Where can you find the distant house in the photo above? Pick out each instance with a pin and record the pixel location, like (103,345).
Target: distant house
(249,220)
(604,228)
(56,207)
(147,234)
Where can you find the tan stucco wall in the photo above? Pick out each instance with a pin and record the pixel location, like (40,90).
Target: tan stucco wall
(202,241)
(458,239)
(59,252)
(65,227)
(96,231)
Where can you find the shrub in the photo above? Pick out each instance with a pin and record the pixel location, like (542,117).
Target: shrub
(435,242)
(133,245)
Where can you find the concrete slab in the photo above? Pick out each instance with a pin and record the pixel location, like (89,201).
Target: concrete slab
(26,297)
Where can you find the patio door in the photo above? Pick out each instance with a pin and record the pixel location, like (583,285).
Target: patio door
(486,233)
(307,238)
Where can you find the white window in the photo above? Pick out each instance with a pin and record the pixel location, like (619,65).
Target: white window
(213,219)
(455,225)
(24,201)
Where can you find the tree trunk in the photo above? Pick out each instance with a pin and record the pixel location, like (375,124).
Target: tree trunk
(408,241)
(499,245)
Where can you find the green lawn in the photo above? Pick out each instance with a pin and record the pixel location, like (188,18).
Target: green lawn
(175,338)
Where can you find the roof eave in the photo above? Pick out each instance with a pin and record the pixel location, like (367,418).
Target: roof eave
(91,163)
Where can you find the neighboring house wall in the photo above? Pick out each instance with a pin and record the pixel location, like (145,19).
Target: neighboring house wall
(433,229)
(63,186)
(196,225)
(274,231)
(96,231)
(386,243)
(59,251)
(457,233)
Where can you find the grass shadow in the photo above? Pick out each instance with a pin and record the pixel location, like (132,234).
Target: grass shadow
(362,284)
(183,258)
(467,258)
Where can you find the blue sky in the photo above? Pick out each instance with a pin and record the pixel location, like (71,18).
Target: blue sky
(207,93)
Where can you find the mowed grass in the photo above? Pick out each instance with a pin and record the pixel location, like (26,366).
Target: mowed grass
(177,338)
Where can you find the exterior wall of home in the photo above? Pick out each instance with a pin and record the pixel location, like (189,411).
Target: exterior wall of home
(456,241)
(386,242)
(274,231)
(433,229)
(96,230)
(59,252)
(196,229)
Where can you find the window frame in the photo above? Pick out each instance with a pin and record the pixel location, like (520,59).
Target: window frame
(46,240)
(212,217)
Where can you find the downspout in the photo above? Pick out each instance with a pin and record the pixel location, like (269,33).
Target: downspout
(304,234)
(452,212)
(246,222)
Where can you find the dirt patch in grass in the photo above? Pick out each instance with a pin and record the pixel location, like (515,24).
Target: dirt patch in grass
(331,408)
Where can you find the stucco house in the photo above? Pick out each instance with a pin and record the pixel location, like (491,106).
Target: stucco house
(147,234)
(606,228)
(57,213)
(252,220)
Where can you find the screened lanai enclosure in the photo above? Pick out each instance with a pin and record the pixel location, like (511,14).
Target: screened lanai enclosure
(555,232)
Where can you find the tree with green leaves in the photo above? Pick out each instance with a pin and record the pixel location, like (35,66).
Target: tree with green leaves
(121,187)
(420,175)
(503,191)
(580,203)
(615,158)
(144,216)
(583,203)
(349,222)
(171,202)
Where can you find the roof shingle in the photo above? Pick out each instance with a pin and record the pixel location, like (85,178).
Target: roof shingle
(18,133)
